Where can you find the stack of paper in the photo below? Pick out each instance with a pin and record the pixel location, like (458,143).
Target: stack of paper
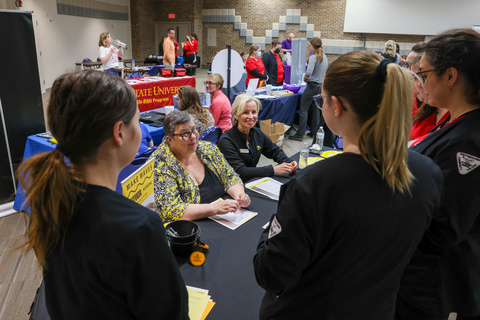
(267,186)
(199,303)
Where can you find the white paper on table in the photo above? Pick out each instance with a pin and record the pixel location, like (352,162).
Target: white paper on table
(252,86)
(233,220)
(205,291)
(265,96)
(267,186)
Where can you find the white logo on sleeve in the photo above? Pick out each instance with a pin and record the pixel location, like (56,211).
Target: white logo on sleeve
(275,228)
(466,163)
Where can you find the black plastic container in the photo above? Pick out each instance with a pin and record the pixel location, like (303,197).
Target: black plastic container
(188,232)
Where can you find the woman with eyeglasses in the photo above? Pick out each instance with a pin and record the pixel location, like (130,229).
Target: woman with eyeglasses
(426,117)
(347,226)
(220,107)
(103,255)
(188,100)
(444,275)
(243,145)
(190,174)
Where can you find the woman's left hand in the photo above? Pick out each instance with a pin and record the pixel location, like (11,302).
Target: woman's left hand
(295,165)
(243,200)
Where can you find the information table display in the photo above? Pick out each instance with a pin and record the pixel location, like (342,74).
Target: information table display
(157,92)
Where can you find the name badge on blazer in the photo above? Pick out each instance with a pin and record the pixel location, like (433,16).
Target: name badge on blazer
(244,151)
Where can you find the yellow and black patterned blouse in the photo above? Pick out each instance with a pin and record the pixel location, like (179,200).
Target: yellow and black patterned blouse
(175,189)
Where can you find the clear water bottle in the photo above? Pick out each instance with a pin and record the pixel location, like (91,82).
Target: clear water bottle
(120,43)
(207,98)
(320,137)
(133,64)
(302,163)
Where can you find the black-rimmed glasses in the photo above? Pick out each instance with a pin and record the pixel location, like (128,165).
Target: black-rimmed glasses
(187,134)
(422,75)
(319,99)
(209,83)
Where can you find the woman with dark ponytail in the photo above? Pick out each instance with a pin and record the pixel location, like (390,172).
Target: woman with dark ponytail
(347,226)
(103,255)
(444,275)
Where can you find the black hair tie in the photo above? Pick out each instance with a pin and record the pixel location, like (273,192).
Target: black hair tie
(62,150)
(382,70)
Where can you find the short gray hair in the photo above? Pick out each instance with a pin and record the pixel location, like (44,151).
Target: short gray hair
(172,119)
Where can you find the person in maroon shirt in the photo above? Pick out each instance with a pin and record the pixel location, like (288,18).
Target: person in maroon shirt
(273,64)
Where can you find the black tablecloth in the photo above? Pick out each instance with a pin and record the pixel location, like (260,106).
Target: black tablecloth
(228,269)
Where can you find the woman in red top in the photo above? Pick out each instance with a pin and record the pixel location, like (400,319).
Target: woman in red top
(254,66)
(196,60)
(189,53)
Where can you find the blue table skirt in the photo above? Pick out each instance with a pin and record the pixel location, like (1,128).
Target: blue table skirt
(281,109)
(36,145)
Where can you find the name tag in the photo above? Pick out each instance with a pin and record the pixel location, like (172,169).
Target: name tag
(244,151)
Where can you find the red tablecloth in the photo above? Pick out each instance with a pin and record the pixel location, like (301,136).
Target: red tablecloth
(158,92)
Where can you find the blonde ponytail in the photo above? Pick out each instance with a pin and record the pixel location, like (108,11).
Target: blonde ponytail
(384,137)
(380,96)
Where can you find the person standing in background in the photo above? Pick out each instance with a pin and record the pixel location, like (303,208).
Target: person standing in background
(254,66)
(273,64)
(244,56)
(317,66)
(196,60)
(287,43)
(160,46)
(189,53)
(390,51)
(109,54)
(169,50)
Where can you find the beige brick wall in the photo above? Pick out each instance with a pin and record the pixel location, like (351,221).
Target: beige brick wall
(326,15)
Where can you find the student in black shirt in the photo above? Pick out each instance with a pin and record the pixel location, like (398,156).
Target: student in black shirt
(444,275)
(243,144)
(103,256)
(347,226)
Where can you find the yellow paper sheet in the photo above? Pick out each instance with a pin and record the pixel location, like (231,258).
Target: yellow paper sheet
(312,160)
(197,303)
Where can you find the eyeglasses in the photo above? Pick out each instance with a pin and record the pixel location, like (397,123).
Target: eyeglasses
(319,99)
(422,75)
(187,134)
(208,83)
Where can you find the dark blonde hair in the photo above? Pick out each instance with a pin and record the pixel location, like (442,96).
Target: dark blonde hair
(253,48)
(190,102)
(240,103)
(217,78)
(382,105)
(390,48)
(103,36)
(83,108)
(316,43)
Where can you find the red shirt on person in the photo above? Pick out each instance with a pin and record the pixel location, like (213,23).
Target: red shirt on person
(252,64)
(195,45)
(189,47)
(280,73)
